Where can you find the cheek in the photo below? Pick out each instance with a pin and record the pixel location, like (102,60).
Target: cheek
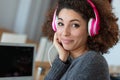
(77,34)
(80,35)
(58,32)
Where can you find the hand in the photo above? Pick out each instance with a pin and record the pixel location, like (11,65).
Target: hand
(63,54)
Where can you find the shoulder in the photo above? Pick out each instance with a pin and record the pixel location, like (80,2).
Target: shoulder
(94,62)
(93,57)
(95,65)
(97,58)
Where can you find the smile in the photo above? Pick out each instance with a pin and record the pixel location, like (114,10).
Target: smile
(66,41)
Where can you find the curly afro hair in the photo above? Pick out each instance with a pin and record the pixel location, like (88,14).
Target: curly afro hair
(109,32)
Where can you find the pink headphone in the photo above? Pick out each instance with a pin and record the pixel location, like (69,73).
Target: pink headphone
(54,22)
(93,24)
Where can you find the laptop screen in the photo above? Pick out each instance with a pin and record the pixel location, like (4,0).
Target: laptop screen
(16,60)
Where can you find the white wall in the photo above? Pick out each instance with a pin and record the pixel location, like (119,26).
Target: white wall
(30,16)
(8,10)
(113,57)
(23,16)
(36,18)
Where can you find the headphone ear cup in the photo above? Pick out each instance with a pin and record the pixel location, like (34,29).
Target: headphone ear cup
(54,25)
(54,22)
(91,27)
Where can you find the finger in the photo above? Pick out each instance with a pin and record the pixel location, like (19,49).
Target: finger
(55,38)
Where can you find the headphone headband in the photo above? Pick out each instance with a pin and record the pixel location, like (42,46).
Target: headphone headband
(95,11)
(93,24)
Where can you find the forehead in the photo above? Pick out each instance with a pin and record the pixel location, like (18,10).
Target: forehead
(69,14)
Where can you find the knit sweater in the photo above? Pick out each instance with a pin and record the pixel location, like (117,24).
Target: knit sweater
(90,66)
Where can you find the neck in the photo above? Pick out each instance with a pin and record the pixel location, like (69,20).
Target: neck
(78,52)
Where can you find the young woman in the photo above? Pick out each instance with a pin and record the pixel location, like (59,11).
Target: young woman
(82,31)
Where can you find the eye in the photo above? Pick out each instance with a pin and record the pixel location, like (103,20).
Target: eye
(60,24)
(75,25)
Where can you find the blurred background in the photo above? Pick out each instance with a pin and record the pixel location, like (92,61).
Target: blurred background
(27,16)
(24,16)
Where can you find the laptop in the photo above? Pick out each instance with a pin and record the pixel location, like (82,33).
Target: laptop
(17,61)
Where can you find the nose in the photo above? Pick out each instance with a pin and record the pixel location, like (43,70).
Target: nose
(66,31)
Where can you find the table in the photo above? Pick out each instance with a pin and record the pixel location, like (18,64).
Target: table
(45,66)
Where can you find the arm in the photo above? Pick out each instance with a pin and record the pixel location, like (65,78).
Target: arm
(57,70)
(59,65)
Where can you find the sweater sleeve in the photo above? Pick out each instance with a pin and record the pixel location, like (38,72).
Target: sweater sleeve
(97,69)
(57,70)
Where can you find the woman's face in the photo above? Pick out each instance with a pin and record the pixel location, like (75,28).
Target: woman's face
(71,30)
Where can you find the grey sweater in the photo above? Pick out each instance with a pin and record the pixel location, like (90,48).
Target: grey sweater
(90,66)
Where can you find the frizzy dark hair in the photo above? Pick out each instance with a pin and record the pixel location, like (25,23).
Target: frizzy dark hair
(109,32)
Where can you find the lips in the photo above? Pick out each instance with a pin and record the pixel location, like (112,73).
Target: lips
(66,41)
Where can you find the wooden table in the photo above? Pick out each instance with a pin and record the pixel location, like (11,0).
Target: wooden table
(45,68)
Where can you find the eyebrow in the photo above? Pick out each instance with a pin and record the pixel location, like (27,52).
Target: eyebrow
(70,20)
(74,20)
(60,19)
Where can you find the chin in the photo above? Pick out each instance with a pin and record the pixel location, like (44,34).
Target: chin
(67,48)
